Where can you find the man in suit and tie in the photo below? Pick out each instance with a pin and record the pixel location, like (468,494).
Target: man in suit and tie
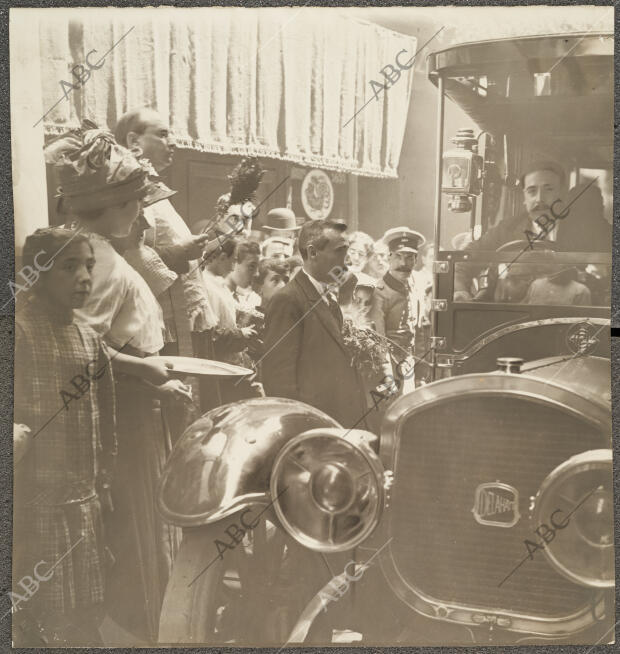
(305,357)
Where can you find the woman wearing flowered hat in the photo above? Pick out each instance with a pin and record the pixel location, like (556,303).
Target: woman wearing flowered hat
(104,186)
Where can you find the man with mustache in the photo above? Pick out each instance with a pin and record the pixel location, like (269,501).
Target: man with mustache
(550,215)
(544,185)
(393,308)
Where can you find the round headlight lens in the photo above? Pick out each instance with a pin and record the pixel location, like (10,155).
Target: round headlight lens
(576,501)
(595,518)
(329,488)
(333,488)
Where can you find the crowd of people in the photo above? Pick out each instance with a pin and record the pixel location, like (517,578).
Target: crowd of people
(97,411)
(309,310)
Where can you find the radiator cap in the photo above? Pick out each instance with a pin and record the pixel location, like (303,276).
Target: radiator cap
(510,364)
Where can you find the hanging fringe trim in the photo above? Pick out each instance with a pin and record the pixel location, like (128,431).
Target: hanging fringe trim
(337,164)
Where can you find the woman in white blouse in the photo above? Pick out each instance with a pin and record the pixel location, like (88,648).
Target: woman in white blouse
(104,186)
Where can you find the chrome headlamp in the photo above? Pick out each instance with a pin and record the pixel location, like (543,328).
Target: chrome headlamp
(329,487)
(576,502)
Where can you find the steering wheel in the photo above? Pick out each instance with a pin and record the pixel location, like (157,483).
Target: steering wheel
(524,244)
(521,246)
(510,288)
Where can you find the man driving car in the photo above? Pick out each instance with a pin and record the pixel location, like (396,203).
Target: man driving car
(550,215)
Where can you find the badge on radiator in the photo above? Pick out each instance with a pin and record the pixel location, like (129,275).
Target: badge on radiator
(496,505)
(581,338)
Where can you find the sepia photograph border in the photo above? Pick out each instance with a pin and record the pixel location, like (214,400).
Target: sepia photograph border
(7,272)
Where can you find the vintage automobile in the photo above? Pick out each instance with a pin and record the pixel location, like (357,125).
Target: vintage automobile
(483,510)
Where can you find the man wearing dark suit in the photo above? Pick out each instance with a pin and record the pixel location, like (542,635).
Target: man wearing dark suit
(305,356)
(580,227)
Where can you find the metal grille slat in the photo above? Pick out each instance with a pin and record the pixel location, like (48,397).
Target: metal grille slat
(446,451)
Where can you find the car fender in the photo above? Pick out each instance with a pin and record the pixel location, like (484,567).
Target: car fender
(222,463)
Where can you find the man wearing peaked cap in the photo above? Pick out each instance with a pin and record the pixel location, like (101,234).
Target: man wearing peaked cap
(393,307)
(403,239)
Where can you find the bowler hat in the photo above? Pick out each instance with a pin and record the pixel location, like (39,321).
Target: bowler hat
(281,220)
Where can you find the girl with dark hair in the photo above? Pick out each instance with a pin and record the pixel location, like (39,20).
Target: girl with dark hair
(105,186)
(64,403)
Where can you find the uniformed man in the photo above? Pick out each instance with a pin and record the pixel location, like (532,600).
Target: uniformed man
(393,308)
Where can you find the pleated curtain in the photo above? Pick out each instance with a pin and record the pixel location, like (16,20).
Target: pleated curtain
(279,83)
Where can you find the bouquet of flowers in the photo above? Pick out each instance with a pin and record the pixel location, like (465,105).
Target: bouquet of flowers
(368,349)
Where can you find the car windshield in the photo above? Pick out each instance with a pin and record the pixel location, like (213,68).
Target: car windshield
(541,278)
(546,208)
(555,249)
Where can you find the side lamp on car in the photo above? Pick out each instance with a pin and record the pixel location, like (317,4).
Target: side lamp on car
(462,171)
(334,485)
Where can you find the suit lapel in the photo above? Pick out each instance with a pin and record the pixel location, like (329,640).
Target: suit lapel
(317,304)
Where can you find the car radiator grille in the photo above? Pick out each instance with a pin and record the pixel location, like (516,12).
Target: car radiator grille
(446,451)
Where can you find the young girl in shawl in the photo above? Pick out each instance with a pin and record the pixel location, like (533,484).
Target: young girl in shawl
(104,185)
(64,395)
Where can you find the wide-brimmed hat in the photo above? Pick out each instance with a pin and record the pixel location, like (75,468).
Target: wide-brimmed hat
(156,189)
(281,220)
(95,172)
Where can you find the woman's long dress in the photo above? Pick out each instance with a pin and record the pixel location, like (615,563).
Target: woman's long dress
(125,312)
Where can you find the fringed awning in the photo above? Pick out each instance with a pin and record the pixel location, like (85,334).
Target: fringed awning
(282,83)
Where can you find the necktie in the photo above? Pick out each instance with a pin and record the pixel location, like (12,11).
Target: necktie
(334,308)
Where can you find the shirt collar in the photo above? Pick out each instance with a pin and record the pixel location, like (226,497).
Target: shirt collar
(551,235)
(321,287)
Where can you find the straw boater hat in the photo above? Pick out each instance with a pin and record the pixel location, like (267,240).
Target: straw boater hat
(281,220)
